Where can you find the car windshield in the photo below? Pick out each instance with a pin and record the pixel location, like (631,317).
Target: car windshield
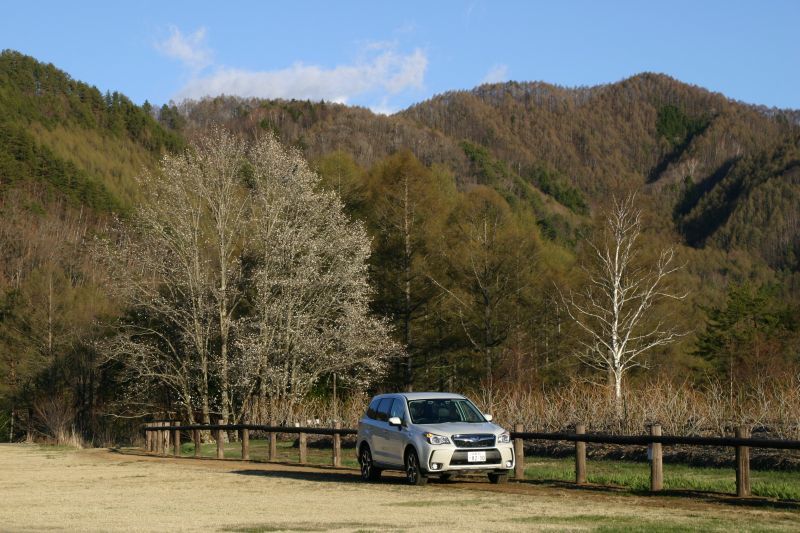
(440,411)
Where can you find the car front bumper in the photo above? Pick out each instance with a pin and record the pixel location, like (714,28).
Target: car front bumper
(452,459)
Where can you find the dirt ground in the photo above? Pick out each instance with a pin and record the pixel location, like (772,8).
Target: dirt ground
(100,490)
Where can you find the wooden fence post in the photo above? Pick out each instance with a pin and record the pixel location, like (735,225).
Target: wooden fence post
(273,442)
(160,438)
(245,444)
(167,439)
(196,439)
(656,462)
(302,446)
(742,464)
(580,456)
(519,455)
(220,441)
(337,445)
(176,440)
(148,439)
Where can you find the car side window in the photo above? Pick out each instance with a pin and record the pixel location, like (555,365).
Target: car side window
(383,409)
(372,410)
(398,409)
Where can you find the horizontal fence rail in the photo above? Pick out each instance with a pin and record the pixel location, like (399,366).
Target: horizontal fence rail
(599,438)
(258,427)
(158,435)
(595,438)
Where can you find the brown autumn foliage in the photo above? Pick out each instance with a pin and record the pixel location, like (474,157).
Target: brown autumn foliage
(717,176)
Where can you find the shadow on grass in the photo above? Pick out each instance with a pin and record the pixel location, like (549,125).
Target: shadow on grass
(332,476)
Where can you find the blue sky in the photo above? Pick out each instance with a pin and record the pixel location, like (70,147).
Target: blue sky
(388,55)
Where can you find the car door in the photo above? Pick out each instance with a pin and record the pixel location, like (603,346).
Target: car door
(367,424)
(380,431)
(397,436)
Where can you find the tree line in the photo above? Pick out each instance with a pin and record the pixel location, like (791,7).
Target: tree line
(252,273)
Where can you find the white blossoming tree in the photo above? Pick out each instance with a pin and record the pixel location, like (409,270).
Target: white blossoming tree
(246,284)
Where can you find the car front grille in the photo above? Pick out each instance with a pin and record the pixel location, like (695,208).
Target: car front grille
(460,458)
(480,440)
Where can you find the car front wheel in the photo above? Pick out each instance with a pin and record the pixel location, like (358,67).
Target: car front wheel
(498,478)
(414,473)
(368,470)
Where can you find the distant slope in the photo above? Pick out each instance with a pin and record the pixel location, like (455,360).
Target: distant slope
(321,128)
(686,148)
(85,145)
(716,165)
(68,157)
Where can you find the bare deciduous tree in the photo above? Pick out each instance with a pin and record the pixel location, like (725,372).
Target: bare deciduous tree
(615,308)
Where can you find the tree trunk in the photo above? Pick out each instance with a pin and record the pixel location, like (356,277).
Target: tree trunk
(13,382)
(618,394)
(204,390)
(409,369)
(223,374)
(224,330)
(487,335)
(50,315)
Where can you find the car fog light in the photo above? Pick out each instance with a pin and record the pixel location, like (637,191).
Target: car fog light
(436,466)
(508,464)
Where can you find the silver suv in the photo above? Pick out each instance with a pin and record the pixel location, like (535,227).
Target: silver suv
(431,433)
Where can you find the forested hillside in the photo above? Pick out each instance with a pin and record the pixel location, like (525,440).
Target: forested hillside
(68,157)
(695,150)
(479,205)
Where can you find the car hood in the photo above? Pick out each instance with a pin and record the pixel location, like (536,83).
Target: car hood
(460,428)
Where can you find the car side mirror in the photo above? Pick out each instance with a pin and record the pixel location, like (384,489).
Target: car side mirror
(487,416)
(395,421)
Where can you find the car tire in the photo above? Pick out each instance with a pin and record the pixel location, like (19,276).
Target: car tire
(369,472)
(414,473)
(498,479)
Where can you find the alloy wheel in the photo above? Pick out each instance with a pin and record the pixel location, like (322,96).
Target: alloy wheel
(366,464)
(414,474)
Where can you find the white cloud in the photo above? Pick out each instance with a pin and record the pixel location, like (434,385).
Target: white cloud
(380,69)
(190,49)
(378,72)
(496,74)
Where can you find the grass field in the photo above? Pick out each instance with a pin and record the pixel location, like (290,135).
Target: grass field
(45,488)
(634,476)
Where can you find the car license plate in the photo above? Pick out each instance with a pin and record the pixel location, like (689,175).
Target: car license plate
(476,457)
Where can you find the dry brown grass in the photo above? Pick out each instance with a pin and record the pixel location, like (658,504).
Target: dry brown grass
(770,404)
(97,490)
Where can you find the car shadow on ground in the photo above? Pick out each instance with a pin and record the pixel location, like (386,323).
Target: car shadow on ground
(332,476)
(327,474)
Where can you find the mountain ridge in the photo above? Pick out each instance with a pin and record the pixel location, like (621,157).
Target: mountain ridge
(716,180)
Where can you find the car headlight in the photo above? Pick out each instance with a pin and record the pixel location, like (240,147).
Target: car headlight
(437,439)
(503,438)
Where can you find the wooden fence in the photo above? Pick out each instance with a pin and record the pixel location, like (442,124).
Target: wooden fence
(165,434)
(159,434)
